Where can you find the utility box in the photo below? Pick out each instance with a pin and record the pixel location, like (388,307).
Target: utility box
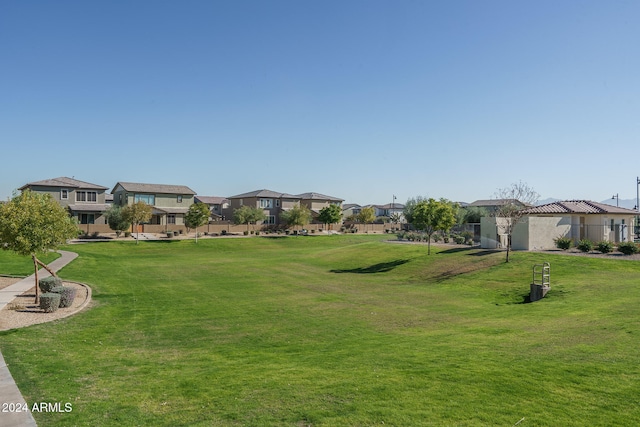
(541,281)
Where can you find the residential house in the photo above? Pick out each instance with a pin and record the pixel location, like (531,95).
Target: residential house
(85,201)
(575,219)
(316,202)
(350,210)
(217,205)
(274,203)
(271,202)
(390,209)
(170,203)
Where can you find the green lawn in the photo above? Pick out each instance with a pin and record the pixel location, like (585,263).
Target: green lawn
(334,331)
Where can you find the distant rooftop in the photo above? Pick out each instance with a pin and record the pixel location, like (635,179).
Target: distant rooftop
(63,181)
(136,187)
(578,207)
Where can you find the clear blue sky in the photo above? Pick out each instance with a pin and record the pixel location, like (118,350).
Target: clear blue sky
(357,99)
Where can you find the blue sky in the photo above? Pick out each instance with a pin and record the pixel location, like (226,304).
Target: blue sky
(357,99)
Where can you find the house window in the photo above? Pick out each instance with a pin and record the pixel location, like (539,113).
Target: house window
(149,199)
(86,196)
(277,203)
(179,198)
(64,194)
(266,203)
(612,225)
(241,202)
(270,219)
(87,218)
(120,198)
(171,219)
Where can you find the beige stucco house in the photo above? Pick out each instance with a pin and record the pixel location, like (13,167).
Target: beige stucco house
(170,203)
(274,203)
(217,206)
(316,202)
(86,202)
(576,219)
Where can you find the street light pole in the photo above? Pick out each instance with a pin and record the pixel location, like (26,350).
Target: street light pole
(615,196)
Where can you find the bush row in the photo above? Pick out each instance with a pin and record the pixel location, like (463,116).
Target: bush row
(460,239)
(605,247)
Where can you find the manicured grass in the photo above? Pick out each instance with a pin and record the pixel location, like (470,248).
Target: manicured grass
(340,330)
(12,264)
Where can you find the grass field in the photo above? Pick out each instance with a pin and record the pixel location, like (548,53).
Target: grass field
(335,331)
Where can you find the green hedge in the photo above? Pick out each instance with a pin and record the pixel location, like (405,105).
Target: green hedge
(48,283)
(628,248)
(67,296)
(49,302)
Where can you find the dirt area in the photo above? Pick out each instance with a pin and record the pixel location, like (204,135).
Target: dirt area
(23,312)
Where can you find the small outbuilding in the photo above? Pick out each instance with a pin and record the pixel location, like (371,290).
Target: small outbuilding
(575,219)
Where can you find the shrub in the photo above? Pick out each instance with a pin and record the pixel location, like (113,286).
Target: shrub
(585,245)
(628,248)
(127,234)
(95,234)
(245,232)
(459,239)
(223,232)
(49,302)
(604,247)
(563,243)
(48,283)
(400,235)
(67,295)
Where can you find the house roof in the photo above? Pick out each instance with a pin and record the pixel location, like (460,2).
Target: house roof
(65,182)
(350,206)
(493,202)
(163,210)
(89,207)
(586,207)
(318,196)
(264,193)
(391,206)
(211,200)
(136,187)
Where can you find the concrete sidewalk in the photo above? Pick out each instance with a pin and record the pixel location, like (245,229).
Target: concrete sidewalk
(9,392)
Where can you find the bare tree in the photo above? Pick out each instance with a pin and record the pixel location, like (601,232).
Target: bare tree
(511,206)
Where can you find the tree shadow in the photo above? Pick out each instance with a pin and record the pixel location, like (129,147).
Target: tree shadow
(456,250)
(382,267)
(487,252)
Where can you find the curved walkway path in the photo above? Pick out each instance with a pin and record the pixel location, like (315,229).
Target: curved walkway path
(9,392)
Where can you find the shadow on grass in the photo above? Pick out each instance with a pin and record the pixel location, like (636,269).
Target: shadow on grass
(382,267)
(487,252)
(456,250)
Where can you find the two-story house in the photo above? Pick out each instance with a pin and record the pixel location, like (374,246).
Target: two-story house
(170,203)
(316,202)
(271,202)
(85,201)
(217,206)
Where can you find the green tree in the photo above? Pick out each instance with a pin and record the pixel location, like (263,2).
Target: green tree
(471,214)
(367,215)
(247,215)
(116,221)
(410,206)
(331,214)
(299,216)
(197,216)
(513,202)
(136,214)
(32,224)
(433,215)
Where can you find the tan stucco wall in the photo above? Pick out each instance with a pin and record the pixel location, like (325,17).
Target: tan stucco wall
(539,233)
